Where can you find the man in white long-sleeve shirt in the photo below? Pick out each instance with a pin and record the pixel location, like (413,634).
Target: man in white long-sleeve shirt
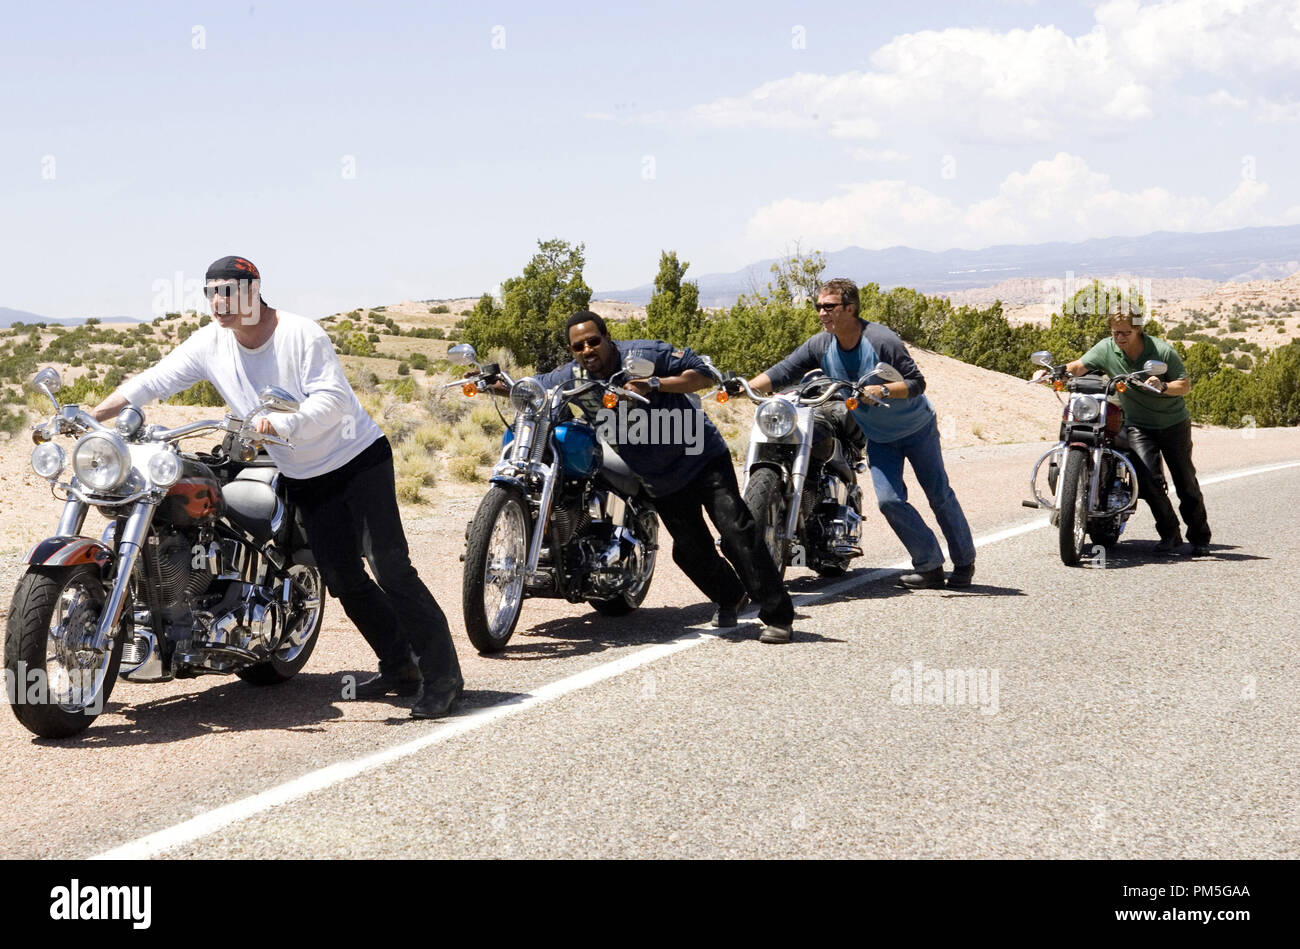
(339,474)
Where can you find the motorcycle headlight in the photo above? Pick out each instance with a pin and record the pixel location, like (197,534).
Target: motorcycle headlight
(527,395)
(776,418)
(165,469)
(101,461)
(1084,410)
(48,460)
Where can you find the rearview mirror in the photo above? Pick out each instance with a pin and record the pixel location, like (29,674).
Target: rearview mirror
(275,399)
(462,354)
(1154,367)
(638,367)
(1042,358)
(887,372)
(48,381)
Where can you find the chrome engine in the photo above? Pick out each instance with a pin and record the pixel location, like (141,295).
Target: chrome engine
(216,620)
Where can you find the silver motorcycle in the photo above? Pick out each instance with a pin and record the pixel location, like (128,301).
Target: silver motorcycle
(200,569)
(813,525)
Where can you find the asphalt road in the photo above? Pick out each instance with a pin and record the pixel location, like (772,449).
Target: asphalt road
(1141,708)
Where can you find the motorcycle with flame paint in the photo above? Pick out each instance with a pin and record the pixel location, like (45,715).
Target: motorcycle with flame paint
(201,569)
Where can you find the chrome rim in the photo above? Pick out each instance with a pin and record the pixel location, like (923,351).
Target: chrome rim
(646,568)
(503,573)
(74,671)
(305,604)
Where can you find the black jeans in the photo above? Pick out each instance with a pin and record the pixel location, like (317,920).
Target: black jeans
(349,514)
(715,490)
(831,421)
(1146,446)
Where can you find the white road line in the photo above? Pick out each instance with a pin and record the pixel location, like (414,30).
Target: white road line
(209,822)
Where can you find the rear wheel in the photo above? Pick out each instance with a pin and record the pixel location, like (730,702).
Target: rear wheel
(643,572)
(765,498)
(1074,506)
(496,556)
(302,621)
(60,682)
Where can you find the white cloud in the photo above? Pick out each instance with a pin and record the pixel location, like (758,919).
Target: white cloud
(1057,199)
(1278,112)
(882,155)
(1034,84)
(1223,99)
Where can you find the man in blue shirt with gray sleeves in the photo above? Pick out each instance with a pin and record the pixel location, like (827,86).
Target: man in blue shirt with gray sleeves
(907,430)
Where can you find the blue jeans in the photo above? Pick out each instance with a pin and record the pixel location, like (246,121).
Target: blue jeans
(921,448)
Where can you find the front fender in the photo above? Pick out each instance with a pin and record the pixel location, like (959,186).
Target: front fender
(69,552)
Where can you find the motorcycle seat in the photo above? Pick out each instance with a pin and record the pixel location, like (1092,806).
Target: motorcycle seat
(263,473)
(615,473)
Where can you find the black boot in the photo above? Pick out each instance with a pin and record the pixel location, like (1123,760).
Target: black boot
(436,702)
(403,680)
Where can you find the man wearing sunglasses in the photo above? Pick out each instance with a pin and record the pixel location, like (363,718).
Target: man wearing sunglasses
(339,474)
(685,480)
(1157,424)
(905,430)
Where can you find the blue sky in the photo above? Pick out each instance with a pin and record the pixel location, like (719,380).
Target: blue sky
(362,154)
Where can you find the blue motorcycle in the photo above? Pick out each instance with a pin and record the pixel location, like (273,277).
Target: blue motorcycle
(564,516)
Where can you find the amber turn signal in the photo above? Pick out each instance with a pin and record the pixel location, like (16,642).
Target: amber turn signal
(609,400)
(1121,386)
(722,395)
(851,403)
(1058,385)
(469,389)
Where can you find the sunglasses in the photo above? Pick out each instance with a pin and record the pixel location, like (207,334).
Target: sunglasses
(582,345)
(827,307)
(226,291)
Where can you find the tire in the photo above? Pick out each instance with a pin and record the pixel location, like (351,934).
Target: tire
(630,599)
(765,498)
(1074,505)
(307,611)
(47,601)
(496,554)
(1106,536)
(831,569)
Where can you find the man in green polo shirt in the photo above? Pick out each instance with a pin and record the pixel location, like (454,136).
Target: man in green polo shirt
(1157,424)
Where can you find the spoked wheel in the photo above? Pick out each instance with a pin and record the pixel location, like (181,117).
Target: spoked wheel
(1074,506)
(765,498)
(643,572)
(496,557)
(302,621)
(61,683)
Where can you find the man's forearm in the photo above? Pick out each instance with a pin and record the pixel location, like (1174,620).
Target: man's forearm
(109,408)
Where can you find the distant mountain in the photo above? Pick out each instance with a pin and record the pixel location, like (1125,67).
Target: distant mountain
(8,317)
(1250,253)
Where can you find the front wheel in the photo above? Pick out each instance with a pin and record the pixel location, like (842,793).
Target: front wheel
(496,559)
(59,683)
(1074,506)
(765,498)
(302,621)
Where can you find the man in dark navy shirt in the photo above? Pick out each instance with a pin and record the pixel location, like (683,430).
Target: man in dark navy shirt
(686,468)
